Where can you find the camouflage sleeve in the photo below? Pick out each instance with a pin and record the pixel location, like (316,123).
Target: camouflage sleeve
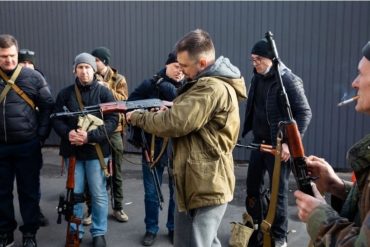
(120,91)
(327,228)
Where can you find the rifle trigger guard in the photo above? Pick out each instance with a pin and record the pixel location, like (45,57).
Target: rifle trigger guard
(280,134)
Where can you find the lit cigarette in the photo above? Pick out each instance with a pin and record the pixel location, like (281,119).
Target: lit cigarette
(349,100)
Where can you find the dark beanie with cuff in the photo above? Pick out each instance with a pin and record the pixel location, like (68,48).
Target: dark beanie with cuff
(172,58)
(85,58)
(262,48)
(26,55)
(366,51)
(103,53)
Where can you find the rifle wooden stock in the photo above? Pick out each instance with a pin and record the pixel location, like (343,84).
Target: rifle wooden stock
(71,173)
(72,238)
(296,150)
(294,140)
(66,205)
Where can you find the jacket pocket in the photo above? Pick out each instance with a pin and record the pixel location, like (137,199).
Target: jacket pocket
(207,181)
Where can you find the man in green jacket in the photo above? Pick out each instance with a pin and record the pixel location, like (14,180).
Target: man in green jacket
(351,227)
(204,124)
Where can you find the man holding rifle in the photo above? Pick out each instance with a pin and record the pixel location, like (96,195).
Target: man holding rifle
(264,112)
(350,227)
(79,143)
(164,86)
(204,124)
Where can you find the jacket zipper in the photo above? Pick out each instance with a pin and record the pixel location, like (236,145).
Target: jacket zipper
(5,135)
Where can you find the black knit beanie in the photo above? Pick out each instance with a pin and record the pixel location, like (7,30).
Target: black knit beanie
(103,53)
(26,55)
(172,58)
(366,51)
(262,48)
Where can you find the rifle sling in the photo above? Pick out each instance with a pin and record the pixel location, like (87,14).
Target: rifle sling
(152,146)
(10,83)
(267,222)
(98,149)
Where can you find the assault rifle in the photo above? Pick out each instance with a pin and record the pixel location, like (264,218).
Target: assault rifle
(116,106)
(293,136)
(261,147)
(65,207)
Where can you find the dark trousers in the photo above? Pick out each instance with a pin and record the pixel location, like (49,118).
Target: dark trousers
(258,165)
(23,162)
(151,199)
(117,155)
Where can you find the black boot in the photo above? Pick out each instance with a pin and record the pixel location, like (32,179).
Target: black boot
(29,240)
(99,241)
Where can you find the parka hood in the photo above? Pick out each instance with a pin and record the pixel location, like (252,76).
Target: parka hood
(224,70)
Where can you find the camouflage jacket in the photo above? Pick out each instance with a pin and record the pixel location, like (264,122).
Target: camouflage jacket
(352,226)
(118,86)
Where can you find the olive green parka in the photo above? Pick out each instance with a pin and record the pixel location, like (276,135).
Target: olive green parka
(204,123)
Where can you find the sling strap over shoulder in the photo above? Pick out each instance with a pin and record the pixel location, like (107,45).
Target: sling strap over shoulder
(98,149)
(10,83)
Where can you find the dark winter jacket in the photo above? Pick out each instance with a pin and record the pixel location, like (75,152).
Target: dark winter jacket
(275,111)
(19,122)
(92,94)
(162,87)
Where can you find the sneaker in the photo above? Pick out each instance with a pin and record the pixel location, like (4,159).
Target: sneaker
(170,236)
(29,240)
(280,243)
(6,240)
(87,220)
(120,215)
(99,241)
(43,221)
(149,239)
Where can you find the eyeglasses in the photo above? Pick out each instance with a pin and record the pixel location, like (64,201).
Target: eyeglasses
(256,60)
(26,52)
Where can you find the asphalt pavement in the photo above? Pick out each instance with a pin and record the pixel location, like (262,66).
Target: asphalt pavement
(130,233)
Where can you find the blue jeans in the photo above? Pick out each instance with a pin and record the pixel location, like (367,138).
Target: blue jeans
(151,199)
(23,162)
(258,165)
(91,170)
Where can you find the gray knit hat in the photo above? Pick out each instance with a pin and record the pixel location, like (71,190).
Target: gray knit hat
(85,58)
(366,51)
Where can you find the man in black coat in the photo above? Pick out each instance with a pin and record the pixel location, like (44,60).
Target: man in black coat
(24,126)
(263,114)
(163,86)
(81,143)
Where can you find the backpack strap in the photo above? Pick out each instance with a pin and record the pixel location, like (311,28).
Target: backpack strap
(10,83)
(98,149)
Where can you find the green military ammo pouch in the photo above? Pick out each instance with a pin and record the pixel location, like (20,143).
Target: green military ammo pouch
(241,232)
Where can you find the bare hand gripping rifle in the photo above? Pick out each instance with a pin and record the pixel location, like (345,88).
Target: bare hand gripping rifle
(291,130)
(116,106)
(122,107)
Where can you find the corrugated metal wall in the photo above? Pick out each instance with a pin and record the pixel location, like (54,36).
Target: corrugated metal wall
(319,41)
